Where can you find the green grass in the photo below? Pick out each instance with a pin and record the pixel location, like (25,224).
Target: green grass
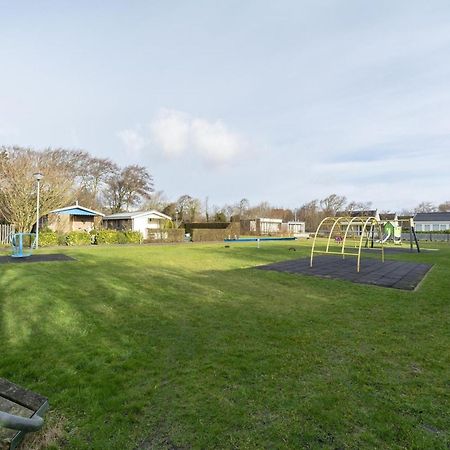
(189,346)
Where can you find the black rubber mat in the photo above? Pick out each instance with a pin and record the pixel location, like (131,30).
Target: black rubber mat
(393,274)
(36,258)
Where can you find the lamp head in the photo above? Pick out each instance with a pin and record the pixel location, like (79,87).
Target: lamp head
(38,176)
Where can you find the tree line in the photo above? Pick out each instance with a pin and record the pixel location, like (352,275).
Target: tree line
(100,184)
(190,209)
(69,176)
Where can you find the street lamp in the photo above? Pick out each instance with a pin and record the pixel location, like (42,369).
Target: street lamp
(38,177)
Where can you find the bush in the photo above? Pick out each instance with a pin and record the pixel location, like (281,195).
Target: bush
(117,237)
(106,237)
(131,237)
(49,238)
(78,238)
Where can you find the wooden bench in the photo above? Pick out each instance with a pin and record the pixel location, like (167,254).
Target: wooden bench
(21,411)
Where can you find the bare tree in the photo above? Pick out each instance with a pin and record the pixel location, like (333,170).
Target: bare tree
(171,210)
(207,209)
(158,200)
(310,214)
(90,173)
(128,188)
(182,208)
(358,206)
(406,212)
(263,209)
(18,186)
(244,206)
(195,209)
(444,207)
(93,178)
(188,209)
(332,204)
(425,207)
(220,216)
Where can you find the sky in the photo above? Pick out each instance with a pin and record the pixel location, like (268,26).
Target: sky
(283,101)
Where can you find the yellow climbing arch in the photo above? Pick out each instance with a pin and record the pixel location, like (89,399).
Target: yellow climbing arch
(361,227)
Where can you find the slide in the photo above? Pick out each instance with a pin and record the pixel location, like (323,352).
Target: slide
(386,237)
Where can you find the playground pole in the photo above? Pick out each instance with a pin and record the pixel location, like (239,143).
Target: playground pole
(38,176)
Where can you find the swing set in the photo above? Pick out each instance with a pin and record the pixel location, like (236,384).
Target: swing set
(346,236)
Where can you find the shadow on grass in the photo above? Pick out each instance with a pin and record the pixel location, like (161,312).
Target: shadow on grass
(170,354)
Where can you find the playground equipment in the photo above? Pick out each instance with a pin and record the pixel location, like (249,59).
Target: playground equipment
(21,412)
(412,233)
(349,233)
(22,244)
(392,231)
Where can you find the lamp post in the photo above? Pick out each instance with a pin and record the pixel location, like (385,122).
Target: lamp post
(38,177)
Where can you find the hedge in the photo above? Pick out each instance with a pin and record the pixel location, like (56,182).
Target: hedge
(105,237)
(129,237)
(116,237)
(78,238)
(49,238)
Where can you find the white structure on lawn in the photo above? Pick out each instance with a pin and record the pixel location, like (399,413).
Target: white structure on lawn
(435,221)
(144,221)
(293,228)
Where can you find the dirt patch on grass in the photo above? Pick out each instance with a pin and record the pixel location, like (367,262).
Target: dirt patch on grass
(51,436)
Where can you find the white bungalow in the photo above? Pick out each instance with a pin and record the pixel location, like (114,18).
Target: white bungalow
(434,221)
(143,221)
(294,228)
(261,226)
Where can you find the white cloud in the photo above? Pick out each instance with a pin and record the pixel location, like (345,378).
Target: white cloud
(215,142)
(171,132)
(176,134)
(133,140)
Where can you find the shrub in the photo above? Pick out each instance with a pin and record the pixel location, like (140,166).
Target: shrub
(106,237)
(117,237)
(48,238)
(132,237)
(78,238)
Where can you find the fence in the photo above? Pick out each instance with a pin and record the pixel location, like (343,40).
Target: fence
(423,236)
(5,233)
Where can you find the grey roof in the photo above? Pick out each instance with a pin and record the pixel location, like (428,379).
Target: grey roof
(133,214)
(432,217)
(388,216)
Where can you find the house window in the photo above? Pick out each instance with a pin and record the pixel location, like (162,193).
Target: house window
(442,227)
(427,228)
(435,227)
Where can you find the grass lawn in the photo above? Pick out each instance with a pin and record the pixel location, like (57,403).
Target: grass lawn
(188,346)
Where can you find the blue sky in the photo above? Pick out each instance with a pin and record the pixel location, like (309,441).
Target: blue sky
(282,101)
